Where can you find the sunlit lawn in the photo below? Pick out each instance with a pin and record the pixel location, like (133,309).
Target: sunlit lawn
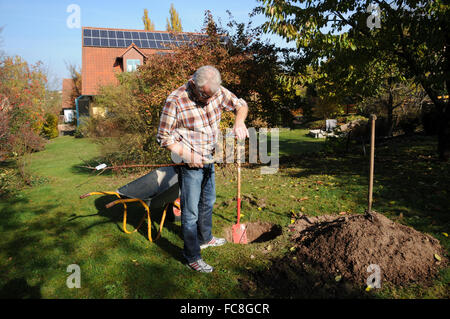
(47,227)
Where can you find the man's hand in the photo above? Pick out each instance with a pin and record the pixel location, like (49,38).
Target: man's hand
(196,160)
(240,130)
(191,158)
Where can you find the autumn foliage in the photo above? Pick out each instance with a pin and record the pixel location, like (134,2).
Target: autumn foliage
(22,98)
(248,68)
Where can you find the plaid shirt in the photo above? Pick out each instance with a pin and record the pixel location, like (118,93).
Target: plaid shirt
(195,125)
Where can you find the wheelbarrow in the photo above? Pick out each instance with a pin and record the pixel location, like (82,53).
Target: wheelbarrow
(155,190)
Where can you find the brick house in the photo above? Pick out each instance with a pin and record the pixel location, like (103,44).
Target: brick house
(107,51)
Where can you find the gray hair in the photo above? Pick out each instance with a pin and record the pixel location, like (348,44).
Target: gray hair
(207,75)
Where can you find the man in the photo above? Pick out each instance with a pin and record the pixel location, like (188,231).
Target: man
(189,128)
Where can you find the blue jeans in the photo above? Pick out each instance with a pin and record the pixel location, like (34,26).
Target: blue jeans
(198,194)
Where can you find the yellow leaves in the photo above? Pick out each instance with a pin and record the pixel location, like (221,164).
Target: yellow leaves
(445,234)
(437,257)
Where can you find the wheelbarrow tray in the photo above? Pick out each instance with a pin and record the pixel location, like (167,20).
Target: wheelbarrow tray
(156,188)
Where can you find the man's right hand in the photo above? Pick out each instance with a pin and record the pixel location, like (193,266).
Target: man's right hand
(192,159)
(196,160)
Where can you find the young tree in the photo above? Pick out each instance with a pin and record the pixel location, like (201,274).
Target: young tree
(148,24)
(174,22)
(416,33)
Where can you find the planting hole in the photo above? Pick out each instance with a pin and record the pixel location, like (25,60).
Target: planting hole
(257,232)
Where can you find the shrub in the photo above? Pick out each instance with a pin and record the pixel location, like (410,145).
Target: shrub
(50,127)
(315,125)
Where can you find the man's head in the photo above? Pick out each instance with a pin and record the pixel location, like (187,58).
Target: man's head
(207,81)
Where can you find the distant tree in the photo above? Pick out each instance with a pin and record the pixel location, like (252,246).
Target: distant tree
(174,22)
(75,75)
(415,32)
(148,24)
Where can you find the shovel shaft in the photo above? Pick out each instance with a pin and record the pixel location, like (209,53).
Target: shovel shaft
(372,158)
(238,149)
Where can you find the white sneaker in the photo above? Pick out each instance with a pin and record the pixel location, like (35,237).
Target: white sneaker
(214,242)
(200,266)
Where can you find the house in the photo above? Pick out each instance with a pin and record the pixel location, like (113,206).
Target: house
(107,51)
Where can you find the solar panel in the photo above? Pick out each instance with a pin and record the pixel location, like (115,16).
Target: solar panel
(144,39)
(112,43)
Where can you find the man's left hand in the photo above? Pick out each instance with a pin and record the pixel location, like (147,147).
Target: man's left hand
(240,131)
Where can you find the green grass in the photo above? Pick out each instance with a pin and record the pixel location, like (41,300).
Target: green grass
(47,227)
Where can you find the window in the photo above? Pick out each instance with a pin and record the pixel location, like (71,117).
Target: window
(132,65)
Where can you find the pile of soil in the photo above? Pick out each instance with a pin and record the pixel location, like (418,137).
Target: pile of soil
(346,246)
(337,250)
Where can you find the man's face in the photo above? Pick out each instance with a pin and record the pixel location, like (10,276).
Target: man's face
(204,93)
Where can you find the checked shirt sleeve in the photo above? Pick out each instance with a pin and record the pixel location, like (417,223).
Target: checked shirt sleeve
(168,123)
(230,101)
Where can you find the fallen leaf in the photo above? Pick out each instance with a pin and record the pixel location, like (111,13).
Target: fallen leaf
(438,258)
(292,248)
(292,221)
(342,213)
(338,278)
(445,234)
(304,198)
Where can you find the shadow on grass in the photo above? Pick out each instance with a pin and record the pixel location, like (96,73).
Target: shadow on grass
(285,279)
(19,288)
(135,214)
(408,180)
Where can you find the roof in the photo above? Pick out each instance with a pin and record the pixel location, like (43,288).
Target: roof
(100,62)
(132,46)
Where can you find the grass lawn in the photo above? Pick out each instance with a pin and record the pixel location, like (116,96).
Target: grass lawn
(47,227)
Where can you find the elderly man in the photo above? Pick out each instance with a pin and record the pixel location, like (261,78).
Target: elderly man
(189,127)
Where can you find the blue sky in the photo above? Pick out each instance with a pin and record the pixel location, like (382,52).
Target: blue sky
(37,29)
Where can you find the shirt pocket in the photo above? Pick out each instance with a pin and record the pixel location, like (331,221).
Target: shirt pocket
(192,119)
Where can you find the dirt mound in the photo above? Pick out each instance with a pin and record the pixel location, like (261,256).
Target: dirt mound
(347,246)
(331,253)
